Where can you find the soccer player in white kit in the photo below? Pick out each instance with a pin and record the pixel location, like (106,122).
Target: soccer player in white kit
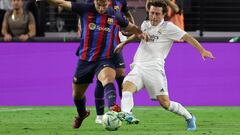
(148,65)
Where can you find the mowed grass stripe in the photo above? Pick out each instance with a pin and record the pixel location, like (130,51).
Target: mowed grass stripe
(31,120)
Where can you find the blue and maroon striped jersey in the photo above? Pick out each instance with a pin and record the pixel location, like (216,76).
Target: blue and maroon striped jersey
(99,31)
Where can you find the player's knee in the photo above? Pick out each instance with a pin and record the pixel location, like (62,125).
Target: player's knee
(106,80)
(77,95)
(165,104)
(128,86)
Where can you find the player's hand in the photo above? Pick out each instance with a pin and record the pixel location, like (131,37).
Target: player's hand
(207,54)
(23,37)
(144,36)
(7,37)
(119,48)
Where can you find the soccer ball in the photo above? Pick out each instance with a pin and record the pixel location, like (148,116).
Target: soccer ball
(111,122)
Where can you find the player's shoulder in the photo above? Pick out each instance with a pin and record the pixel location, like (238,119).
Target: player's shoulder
(168,25)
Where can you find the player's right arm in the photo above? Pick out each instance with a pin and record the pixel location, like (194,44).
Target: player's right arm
(191,40)
(121,45)
(61,3)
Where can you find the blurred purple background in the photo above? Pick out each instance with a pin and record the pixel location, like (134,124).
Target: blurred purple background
(41,74)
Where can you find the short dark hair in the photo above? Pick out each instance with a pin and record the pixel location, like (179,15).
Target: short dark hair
(158,3)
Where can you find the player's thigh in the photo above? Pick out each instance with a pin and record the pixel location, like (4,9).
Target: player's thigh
(106,72)
(133,80)
(155,82)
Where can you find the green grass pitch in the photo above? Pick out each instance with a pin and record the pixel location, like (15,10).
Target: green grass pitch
(153,121)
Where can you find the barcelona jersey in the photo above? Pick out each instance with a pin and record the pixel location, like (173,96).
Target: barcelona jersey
(99,31)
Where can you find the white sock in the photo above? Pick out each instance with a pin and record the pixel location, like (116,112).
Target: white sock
(179,109)
(99,116)
(127,101)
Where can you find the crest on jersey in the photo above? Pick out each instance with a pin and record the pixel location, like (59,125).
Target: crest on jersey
(110,21)
(90,17)
(161,31)
(116,7)
(92,26)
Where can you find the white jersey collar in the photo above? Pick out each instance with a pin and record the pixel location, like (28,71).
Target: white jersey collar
(159,25)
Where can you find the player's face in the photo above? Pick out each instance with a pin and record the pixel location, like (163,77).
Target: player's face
(17,4)
(101,5)
(155,15)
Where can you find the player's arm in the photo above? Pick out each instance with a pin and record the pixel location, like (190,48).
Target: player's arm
(121,45)
(126,12)
(146,5)
(205,54)
(128,26)
(130,17)
(61,3)
(173,6)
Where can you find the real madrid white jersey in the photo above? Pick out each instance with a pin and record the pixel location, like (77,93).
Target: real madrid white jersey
(162,36)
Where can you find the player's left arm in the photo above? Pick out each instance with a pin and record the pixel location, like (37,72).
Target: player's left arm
(129,16)
(126,12)
(124,23)
(205,53)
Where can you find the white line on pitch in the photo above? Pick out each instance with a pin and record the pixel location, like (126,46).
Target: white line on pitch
(14,110)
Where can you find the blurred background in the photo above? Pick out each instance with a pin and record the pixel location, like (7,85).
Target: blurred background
(202,18)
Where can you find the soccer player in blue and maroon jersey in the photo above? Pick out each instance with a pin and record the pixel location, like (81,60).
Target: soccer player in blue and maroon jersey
(100,26)
(118,61)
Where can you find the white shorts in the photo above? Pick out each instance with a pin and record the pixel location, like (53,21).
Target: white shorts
(154,80)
